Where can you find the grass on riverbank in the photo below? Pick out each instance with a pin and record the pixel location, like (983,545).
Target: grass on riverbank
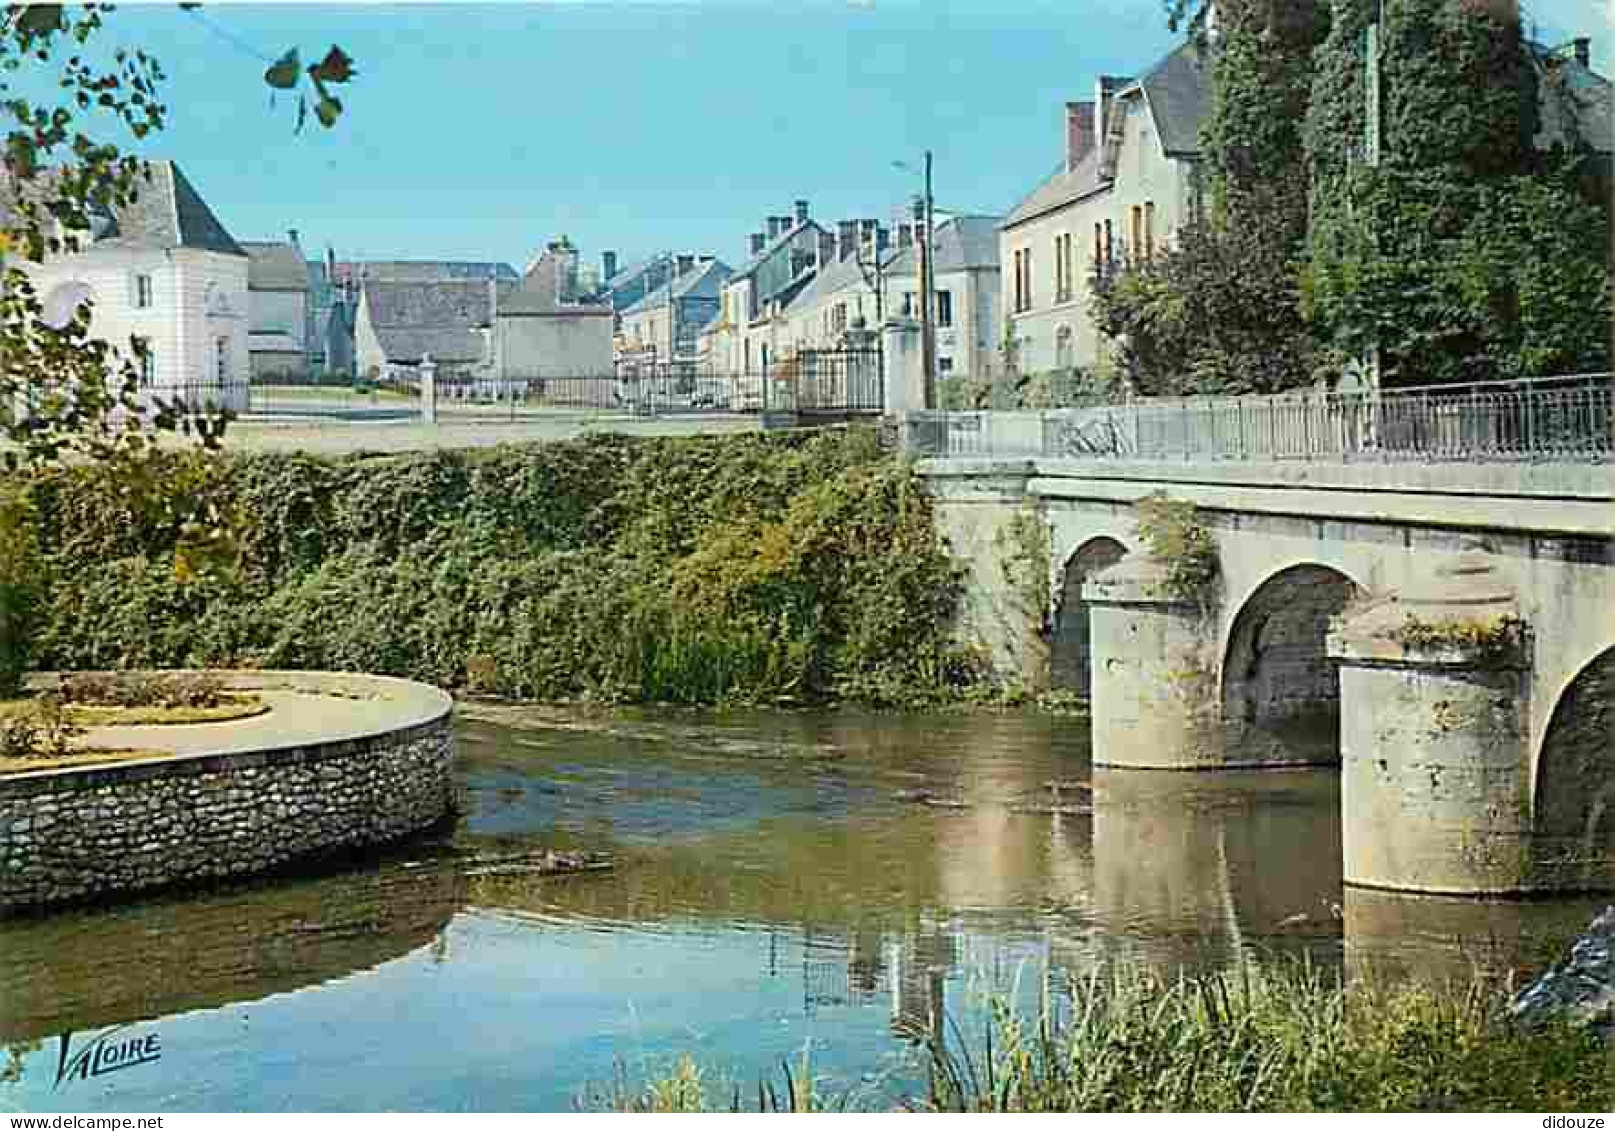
(1289,1038)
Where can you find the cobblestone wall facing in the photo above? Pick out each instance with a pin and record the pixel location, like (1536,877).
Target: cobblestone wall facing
(73,835)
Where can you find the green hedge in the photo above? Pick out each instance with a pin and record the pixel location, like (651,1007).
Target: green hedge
(798,568)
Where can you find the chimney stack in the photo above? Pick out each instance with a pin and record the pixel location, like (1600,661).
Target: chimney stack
(905,236)
(293,233)
(756,242)
(883,237)
(1583,48)
(801,212)
(686,265)
(868,234)
(608,264)
(829,249)
(846,239)
(1104,94)
(1079,132)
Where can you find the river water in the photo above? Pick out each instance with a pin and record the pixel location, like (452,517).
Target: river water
(827,882)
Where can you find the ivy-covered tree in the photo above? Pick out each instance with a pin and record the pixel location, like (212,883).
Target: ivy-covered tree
(1460,251)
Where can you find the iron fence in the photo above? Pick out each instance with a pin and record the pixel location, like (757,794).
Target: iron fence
(1544,419)
(839,381)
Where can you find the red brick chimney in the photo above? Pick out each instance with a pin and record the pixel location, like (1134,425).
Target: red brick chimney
(1079,132)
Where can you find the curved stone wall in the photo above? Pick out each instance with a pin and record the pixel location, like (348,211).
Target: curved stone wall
(341,762)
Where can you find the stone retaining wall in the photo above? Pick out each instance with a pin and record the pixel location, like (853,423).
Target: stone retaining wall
(76,834)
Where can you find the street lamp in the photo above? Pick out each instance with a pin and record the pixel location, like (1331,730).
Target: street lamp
(924,208)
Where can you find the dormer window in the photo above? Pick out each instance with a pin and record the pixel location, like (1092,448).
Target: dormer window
(143,292)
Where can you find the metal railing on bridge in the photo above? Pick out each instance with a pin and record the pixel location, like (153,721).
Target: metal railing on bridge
(1542,419)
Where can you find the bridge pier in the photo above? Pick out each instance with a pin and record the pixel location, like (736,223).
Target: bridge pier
(1155,702)
(1435,694)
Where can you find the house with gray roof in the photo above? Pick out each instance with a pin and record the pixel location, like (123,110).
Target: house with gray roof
(539,324)
(1130,178)
(669,320)
(165,271)
(548,325)
(280,311)
(968,290)
(845,300)
(752,331)
(396,325)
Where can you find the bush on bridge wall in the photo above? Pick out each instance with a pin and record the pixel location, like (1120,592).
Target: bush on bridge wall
(686,570)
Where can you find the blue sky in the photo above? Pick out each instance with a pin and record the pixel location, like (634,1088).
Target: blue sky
(480,131)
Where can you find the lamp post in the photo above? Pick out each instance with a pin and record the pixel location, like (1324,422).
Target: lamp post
(924,209)
(672,314)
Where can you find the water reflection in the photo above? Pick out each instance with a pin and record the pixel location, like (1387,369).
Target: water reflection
(1446,943)
(1198,870)
(92,969)
(836,881)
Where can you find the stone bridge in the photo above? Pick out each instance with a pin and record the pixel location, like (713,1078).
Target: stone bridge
(1444,631)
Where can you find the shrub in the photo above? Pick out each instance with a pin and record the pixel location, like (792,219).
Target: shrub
(1177,540)
(743,569)
(132,689)
(39,729)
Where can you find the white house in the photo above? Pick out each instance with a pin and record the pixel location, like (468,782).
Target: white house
(967,293)
(846,292)
(162,270)
(547,326)
(1130,177)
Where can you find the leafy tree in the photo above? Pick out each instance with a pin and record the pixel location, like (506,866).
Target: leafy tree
(1216,313)
(62,392)
(68,86)
(1461,253)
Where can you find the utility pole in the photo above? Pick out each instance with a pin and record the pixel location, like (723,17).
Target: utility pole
(928,291)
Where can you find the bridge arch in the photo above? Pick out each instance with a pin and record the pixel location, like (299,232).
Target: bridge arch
(1071,650)
(1280,690)
(1573,818)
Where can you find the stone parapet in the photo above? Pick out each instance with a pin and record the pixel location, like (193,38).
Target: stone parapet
(71,835)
